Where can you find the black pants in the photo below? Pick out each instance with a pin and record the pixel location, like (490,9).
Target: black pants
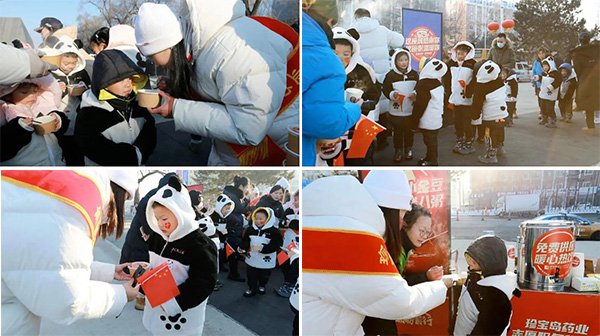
(71,153)
(430,138)
(290,272)
(548,108)
(257,277)
(589,119)
(566,108)
(478,130)
(383,121)
(403,135)
(496,132)
(462,122)
(512,110)
(233,265)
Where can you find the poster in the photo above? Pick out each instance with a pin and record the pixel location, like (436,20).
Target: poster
(423,33)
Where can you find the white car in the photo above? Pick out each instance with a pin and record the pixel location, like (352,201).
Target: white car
(523,71)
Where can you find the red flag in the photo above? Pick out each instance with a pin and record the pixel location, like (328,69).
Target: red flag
(282,257)
(291,246)
(400,98)
(339,161)
(159,285)
(364,133)
(228,250)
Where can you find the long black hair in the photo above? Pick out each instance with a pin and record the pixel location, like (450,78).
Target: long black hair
(181,75)
(240,181)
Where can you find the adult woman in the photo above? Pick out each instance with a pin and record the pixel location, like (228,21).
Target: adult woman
(99,40)
(227,76)
(235,222)
(537,70)
(347,271)
(273,201)
(47,259)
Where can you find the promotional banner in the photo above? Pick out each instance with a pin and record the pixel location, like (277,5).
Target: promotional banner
(423,33)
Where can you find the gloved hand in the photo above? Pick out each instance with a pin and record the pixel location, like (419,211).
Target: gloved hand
(38,68)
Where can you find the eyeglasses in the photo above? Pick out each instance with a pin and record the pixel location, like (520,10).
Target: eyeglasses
(425,233)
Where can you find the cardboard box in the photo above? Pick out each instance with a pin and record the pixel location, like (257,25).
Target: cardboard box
(589,267)
(584,284)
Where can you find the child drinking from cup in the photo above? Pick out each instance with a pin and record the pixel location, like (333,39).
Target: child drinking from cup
(21,104)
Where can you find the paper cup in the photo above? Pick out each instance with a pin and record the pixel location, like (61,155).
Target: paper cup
(510,256)
(144,264)
(578,266)
(294,138)
(148,98)
(76,90)
(353,94)
(46,126)
(291,158)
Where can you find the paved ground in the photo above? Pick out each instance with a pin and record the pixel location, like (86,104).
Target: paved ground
(527,143)
(172,147)
(228,313)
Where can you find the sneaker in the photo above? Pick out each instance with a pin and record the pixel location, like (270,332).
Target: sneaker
(140,302)
(543,121)
(551,123)
(262,290)
(408,155)
(501,151)
(398,156)
(489,157)
(237,278)
(284,290)
(460,142)
(540,116)
(216,288)
(467,148)
(429,163)
(219,283)
(249,293)
(589,131)
(515,116)
(509,124)
(420,162)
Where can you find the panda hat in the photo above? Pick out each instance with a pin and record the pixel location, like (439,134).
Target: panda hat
(271,219)
(222,201)
(550,61)
(352,36)
(175,197)
(432,68)
(486,71)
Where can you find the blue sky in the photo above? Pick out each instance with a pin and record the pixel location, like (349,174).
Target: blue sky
(33,11)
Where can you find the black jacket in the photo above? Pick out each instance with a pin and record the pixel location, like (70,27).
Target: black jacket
(586,63)
(360,78)
(198,252)
(423,89)
(272,233)
(235,221)
(268,202)
(294,224)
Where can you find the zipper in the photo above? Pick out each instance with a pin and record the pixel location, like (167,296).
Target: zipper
(163,250)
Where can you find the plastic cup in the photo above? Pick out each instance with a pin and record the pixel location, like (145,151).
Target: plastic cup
(148,98)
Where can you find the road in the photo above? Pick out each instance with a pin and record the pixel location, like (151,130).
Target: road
(527,143)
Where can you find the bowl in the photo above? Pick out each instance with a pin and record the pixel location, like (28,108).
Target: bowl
(44,125)
(76,90)
(294,138)
(148,98)
(291,158)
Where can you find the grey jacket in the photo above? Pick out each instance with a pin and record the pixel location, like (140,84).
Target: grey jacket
(505,57)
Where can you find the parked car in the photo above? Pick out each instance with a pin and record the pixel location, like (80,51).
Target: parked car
(523,71)
(586,228)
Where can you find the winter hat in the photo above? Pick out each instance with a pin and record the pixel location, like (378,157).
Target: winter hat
(489,252)
(156,29)
(283,183)
(222,201)
(275,188)
(389,188)
(207,226)
(196,197)
(126,179)
(53,24)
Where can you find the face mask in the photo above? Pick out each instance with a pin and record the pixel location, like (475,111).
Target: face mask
(500,45)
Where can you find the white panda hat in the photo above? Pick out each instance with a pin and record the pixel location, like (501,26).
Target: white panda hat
(222,201)
(486,71)
(432,68)
(175,197)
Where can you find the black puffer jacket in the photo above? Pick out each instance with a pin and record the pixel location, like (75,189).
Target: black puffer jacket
(268,202)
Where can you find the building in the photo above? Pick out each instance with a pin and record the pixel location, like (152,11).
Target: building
(557,188)
(468,19)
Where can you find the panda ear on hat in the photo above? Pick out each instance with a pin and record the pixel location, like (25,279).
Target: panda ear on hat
(354,33)
(175,183)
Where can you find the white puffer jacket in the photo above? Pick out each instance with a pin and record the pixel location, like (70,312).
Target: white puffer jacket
(47,261)
(336,304)
(240,72)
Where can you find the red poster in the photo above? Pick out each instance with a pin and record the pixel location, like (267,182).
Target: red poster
(553,252)
(560,314)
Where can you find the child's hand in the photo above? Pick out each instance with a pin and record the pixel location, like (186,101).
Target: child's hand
(63,86)
(412,96)
(165,109)
(27,121)
(435,273)
(56,121)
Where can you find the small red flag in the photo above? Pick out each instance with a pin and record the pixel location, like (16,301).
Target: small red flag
(228,250)
(339,161)
(364,133)
(291,246)
(159,285)
(282,257)
(400,98)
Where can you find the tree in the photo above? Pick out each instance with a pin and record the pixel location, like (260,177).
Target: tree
(111,13)
(455,20)
(551,24)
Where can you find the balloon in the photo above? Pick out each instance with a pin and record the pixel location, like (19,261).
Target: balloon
(508,24)
(493,26)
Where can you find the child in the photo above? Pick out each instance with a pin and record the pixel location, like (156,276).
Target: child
(261,242)
(223,209)
(512,90)
(399,85)
(111,128)
(70,72)
(458,84)
(291,234)
(191,255)
(550,83)
(484,306)
(21,104)
(358,73)
(489,104)
(567,90)
(429,106)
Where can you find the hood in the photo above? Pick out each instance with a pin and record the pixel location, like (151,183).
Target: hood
(486,71)
(332,196)
(507,283)
(44,84)
(201,19)
(112,66)
(366,24)
(570,69)
(550,61)
(397,54)
(490,253)
(340,33)
(236,196)
(432,68)
(222,201)
(175,197)
(65,44)
(290,204)
(282,182)
(271,219)
(207,226)
(507,46)
(470,55)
